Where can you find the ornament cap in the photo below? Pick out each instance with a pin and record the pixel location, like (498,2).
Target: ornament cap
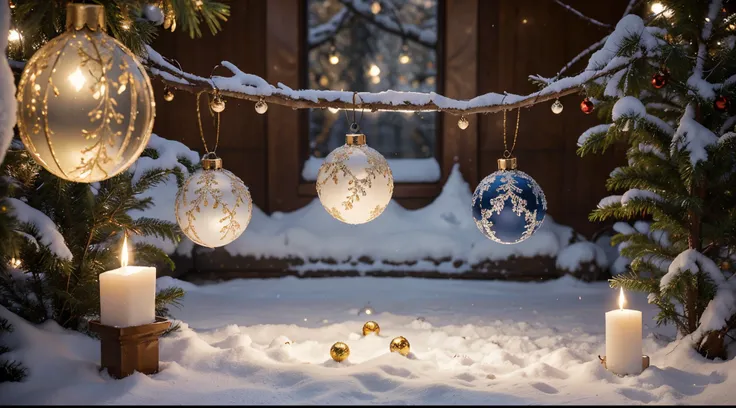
(211,162)
(355,139)
(80,16)
(507,163)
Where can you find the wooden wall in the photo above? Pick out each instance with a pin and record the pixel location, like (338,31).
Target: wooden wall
(487,48)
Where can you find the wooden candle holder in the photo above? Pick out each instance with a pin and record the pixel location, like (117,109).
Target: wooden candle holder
(128,349)
(644,362)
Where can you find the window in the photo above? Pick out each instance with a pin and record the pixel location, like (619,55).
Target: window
(365,45)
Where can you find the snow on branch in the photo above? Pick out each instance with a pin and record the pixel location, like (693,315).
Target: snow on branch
(50,236)
(583,16)
(411,32)
(693,137)
(322,33)
(254,88)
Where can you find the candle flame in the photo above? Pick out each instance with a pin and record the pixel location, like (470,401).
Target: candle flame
(621,299)
(124,253)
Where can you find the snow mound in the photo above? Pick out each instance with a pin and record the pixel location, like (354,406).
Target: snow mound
(503,342)
(573,257)
(50,236)
(444,230)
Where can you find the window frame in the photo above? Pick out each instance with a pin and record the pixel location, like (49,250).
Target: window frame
(287,129)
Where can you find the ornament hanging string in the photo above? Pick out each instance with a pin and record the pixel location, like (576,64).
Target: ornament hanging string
(506,152)
(217,116)
(201,130)
(355,125)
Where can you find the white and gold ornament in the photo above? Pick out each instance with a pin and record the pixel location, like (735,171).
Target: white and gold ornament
(213,207)
(355,183)
(85,103)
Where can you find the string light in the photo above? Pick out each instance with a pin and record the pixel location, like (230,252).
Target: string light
(334,57)
(404,57)
(658,8)
(374,71)
(376,7)
(14,36)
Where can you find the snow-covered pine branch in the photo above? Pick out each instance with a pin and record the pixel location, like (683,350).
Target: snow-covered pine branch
(50,236)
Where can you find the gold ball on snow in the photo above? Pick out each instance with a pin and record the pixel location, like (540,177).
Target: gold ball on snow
(401,345)
(371,327)
(339,351)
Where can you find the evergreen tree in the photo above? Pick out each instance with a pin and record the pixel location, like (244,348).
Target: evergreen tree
(9,370)
(56,236)
(671,104)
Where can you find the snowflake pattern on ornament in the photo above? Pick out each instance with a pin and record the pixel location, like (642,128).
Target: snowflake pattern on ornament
(508,206)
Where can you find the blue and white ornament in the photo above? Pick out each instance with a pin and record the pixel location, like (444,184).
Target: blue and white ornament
(508,205)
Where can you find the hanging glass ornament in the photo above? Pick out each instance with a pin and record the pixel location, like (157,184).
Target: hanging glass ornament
(463,123)
(213,206)
(355,183)
(168,94)
(557,107)
(85,103)
(261,107)
(587,106)
(217,104)
(508,205)
(722,103)
(659,79)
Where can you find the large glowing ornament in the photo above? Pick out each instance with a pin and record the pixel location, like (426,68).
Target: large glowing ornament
(213,206)
(355,183)
(508,205)
(85,103)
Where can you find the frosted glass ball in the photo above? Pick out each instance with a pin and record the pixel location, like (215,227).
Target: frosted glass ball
(508,206)
(557,107)
(85,106)
(213,207)
(355,183)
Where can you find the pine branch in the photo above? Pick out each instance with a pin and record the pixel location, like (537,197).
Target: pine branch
(410,32)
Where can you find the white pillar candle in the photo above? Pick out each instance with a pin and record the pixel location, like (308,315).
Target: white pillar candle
(128,294)
(623,340)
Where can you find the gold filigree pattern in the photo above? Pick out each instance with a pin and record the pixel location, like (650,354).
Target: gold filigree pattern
(376,212)
(334,212)
(85,77)
(336,167)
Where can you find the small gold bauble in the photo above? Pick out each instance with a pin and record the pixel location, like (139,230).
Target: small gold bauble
(339,351)
(217,104)
(726,266)
(371,327)
(261,107)
(168,95)
(463,123)
(401,345)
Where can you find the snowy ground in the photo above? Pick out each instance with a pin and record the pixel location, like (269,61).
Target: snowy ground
(473,342)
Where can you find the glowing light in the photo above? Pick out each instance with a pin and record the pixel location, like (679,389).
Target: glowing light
(323,80)
(659,8)
(125,25)
(707,20)
(375,7)
(524,21)
(124,253)
(621,299)
(334,59)
(404,59)
(430,80)
(15,263)
(77,79)
(14,36)
(374,71)
(333,110)
(376,80)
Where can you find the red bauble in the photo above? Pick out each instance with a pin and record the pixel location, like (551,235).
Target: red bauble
(659,80)
(586,106)
(721,103)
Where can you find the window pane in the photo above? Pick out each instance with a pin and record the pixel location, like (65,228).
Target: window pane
(348,52)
